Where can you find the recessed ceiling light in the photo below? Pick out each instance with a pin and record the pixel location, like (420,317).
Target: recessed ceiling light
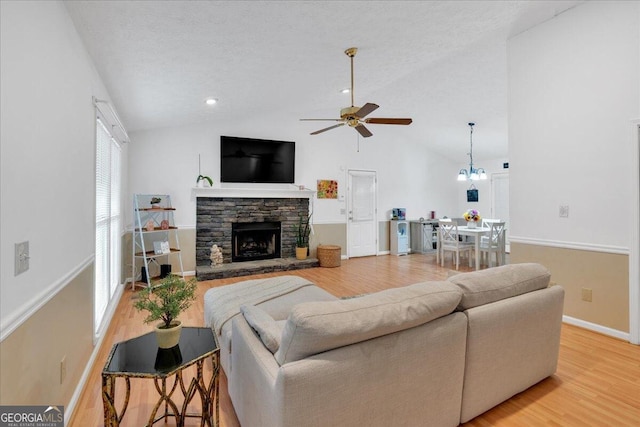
(345,90)
(210,101)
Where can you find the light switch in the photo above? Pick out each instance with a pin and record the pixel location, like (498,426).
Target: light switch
(564,211)
(21,257)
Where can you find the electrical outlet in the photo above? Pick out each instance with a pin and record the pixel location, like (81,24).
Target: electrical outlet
(564,211)
(586,294)
(63,369)
(21,257)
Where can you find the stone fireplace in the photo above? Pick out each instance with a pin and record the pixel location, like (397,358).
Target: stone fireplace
(246,229)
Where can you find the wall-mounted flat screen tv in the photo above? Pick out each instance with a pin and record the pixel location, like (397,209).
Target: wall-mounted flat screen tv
(256,160)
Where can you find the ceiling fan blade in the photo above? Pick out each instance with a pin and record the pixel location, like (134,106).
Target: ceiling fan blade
(386,121)
(326,129)
(320,120)
(366,109)
(363,131)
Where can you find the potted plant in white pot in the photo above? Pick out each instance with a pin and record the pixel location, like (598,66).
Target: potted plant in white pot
(165,302)
(303,230)
(201,179)
(155,202)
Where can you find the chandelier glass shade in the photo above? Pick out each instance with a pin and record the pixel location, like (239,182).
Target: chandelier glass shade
(472,174)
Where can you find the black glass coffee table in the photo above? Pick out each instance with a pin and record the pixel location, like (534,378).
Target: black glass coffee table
(141,358)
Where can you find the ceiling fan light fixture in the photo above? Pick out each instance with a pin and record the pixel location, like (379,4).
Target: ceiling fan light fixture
(211,101)
(354,116)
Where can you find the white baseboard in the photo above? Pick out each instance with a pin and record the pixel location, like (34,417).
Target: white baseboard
(383,253)
(596,328)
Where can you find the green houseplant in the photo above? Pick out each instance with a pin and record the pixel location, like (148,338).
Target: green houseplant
(165,302)
(155,201)
(202,178)
(303,230)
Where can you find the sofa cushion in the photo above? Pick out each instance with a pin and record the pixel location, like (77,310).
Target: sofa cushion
(315,327)
(494,284)
(265,326)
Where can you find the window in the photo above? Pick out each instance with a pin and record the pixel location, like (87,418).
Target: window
(108,223)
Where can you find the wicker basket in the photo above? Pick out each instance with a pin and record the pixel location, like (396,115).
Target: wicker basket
(329,255)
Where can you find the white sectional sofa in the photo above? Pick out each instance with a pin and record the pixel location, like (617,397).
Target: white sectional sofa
(429,354)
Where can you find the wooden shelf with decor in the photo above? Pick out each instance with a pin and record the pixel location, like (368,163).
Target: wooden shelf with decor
(154,224)
(152,254)
(155,229)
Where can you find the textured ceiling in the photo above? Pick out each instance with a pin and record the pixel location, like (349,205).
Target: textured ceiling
(443,63)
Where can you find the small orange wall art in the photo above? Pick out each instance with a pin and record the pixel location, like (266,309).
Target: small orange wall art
(327,189)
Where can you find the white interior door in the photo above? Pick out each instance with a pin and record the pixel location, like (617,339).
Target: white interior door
(500,202)
(362,223)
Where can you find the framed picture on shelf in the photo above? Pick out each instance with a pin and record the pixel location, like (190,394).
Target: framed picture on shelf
(161,248)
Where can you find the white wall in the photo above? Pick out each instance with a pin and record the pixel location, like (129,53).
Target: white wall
(166,161)
(573,89)
(47,148)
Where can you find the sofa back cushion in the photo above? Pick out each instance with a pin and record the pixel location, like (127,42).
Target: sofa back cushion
(315,327)
(494,284)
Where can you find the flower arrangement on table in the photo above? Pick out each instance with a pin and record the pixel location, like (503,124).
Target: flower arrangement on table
(472,215)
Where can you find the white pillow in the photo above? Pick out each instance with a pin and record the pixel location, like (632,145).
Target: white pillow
(265,326)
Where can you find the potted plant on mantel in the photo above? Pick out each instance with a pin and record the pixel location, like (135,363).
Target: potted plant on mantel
(201,179)
(303,230)
(166,301)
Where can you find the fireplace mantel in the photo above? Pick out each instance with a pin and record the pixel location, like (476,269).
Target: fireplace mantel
(271,193)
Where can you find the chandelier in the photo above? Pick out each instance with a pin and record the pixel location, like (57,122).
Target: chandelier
(472,174)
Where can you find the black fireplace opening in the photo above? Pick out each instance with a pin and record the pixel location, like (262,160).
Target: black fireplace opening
(255,240)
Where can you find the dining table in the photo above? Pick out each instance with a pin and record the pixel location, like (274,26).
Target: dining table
(476,233)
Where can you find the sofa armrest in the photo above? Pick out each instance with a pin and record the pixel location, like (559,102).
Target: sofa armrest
(253,377)
(511,345)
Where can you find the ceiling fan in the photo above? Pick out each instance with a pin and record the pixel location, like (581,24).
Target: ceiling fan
(355,116)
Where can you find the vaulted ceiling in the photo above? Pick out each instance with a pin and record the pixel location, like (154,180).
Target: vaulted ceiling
(443,63)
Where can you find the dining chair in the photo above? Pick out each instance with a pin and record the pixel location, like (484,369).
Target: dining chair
(449,241)
(438,244)
(486,222)
(460,221)
(494,243)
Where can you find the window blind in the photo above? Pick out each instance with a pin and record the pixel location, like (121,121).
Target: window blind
(108,222)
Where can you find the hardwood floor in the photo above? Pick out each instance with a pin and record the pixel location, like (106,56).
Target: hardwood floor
(597,382)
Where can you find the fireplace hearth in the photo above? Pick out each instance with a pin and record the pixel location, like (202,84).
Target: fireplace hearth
(255,241)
